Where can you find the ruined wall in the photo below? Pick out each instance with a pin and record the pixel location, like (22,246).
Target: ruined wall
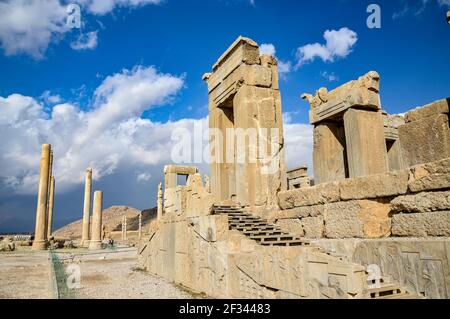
(425,137)
(407,203)
(245,108)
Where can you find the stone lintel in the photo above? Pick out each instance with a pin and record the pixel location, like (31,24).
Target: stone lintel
(360,93)
(243,50)
(301,171)
(180,170)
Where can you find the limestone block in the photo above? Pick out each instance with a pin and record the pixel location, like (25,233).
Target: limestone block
(365,143)
(429,176)
(292,226)
(374,186)
(328,153)
(301,171)
(432,109)
(421,202)
(425,140)
(211,228)
(359,218)
(421,225)
(362,92)
(313,227)
(319,194)
(299,212)
(299,182)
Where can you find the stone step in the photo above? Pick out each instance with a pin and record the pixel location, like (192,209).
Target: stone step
(403,295)
(384,290)
(286,243)
(263,228)
(272,238)
(263,232)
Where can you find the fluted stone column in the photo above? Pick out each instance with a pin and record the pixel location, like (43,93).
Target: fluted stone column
(96,241)
(40,235)
(159,211)
(51,201)
(87,207)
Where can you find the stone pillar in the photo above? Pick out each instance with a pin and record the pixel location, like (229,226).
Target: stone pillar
(96,242)
(124,228)
(365,142)
(329,159)
(87,207)
(47,209)
(140,225)
(207,184)
(159,211)
(40,234)
(51,201)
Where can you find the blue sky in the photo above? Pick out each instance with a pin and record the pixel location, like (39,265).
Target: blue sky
(168,45)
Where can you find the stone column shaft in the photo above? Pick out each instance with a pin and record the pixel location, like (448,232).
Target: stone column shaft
(40,235)
(86,207)
(47,209)
(96,242)
(159,211)
(51,201)
(140,225)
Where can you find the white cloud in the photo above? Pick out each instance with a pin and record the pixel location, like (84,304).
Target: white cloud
(101,7)
(50,98)
(443,3)
(338,44)
(86,41)
(416,8)
(284,67)
(29,26)
(143,177)
(298,143)
(109,137)
(331,77)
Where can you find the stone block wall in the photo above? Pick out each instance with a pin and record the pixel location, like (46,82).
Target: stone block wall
(414,202)
(425,136)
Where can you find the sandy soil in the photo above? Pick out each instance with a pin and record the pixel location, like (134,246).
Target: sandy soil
(25,274)
(104,274)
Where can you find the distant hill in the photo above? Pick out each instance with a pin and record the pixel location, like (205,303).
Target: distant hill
(112,219)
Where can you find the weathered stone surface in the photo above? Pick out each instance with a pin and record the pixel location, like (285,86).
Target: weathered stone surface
(432,109)
(299,182)
(422,202)
(299,212)
(301,171)
(429,176)
(292,225)
(313,227)
(425,140)
(422,224)
(365,143)
(361,218)
(328,153)
(362,92)
(319,194)
(375,186)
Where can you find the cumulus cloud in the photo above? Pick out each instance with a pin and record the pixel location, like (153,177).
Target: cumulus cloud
(284,67)
(86,41)
(49,98)
(108,137)
(30,26)
(338,44)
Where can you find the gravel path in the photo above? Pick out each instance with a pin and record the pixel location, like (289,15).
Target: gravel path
(25,275)
(115,275)
(104,274)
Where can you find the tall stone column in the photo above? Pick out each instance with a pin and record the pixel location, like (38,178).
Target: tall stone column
(125,237)
(47,208)
(159,211)
(87,207)
(96,241)
(40,235)
(140,225)
(51,201)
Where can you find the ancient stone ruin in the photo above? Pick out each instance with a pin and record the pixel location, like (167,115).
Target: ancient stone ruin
(373,222)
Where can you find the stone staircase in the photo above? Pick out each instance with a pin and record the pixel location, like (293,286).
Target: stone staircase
(257,228)
(267,234)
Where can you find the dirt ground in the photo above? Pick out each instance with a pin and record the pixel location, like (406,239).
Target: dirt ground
(103,274)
